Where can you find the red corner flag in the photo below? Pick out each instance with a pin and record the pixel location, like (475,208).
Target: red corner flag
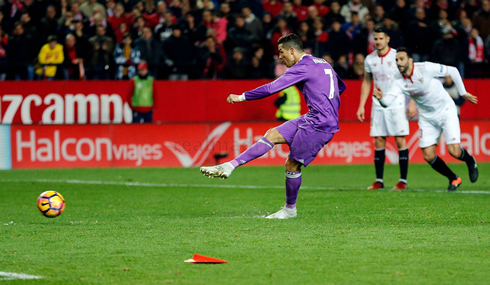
(204,259)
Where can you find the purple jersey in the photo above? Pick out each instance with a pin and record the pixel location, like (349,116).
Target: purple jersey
(320,85)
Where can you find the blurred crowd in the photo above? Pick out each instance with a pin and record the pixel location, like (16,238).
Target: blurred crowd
(230,39)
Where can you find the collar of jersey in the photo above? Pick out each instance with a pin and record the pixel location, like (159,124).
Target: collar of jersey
(304,56)
(389,49)
(407,77)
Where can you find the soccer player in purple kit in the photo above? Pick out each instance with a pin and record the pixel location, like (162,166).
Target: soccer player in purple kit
(305,135)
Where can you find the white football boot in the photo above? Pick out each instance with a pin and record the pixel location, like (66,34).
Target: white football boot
(284,213)
(222,171)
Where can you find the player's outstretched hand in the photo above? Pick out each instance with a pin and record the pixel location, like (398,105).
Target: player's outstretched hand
(377,92)
(233,98)
(471,98)
(360,114)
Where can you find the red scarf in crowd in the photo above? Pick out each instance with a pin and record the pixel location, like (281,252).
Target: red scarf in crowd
(476,50)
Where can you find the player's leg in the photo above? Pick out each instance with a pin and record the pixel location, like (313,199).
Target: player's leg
(293,183)
(453,139)
(282,134)
(303,150)
(403,158)
(429,133)
(379,132)
(379,162)
(440,166)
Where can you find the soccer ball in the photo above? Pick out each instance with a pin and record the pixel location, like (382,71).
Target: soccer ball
(51,204)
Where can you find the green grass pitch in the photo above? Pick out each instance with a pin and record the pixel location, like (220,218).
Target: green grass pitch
(137,226)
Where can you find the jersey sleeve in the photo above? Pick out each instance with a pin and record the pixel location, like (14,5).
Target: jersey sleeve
(294,75)
(436,69)
(441,70)
(367,68)
(392,94)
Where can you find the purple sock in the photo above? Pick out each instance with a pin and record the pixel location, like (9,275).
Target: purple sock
(293,182)
(256,150)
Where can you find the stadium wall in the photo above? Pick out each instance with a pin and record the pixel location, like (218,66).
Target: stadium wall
(188,145)
(95,102)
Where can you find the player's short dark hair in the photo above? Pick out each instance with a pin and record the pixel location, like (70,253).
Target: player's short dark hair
(380,29)
(291,41)
(405,50)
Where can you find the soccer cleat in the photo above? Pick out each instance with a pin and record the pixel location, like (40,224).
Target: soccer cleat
(400,186)
(376,185)
(284,213)
(454,184)
(473,170)
(222,171)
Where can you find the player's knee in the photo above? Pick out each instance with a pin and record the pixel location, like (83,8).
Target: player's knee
(272,135)
(454,150)
(429,157)
(380,142)
(292,165)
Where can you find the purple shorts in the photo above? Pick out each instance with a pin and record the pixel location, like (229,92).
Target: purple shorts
(304,141)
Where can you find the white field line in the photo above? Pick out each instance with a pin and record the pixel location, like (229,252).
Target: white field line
(14,276)
(168,185)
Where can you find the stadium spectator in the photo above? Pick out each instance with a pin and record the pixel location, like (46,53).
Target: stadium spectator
(161,9)
(353,6)
(300,10)
(396,36)
(440,24)
(306,36)
(207,61)
(352,29)
(379,14)
(150,14)
(195,32)
(333,14)
(138,25)
(319,46)
(100,58)
(177,49)
(118,17)
(74,56)
(341,66)
(338,41)
(239,36)
(98,20)
(290,16)
(48,25)
(110,8)
(272,6)
(481,20)
(87,8)
(3,55)
(364,41)
(225,13)
(280,30)
(357,69)
(77,13)
(268,24)
(49,58)
(176,8)
(120,32)
(126,57)
(419,37)
(476,54)
(20,55)
(486,68)
(151,51)
(164,29)
(447,50)
(401,15)
(312,15)
(236,67)
(321,7)
(141,97)
(253,24)
(258,69)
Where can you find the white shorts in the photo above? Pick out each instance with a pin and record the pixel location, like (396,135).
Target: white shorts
(389,122)
(431,129)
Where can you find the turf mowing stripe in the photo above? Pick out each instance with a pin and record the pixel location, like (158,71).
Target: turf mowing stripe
(14,276)
(167,185)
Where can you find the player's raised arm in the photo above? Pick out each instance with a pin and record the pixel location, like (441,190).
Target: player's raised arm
(441,70)
(365,90)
